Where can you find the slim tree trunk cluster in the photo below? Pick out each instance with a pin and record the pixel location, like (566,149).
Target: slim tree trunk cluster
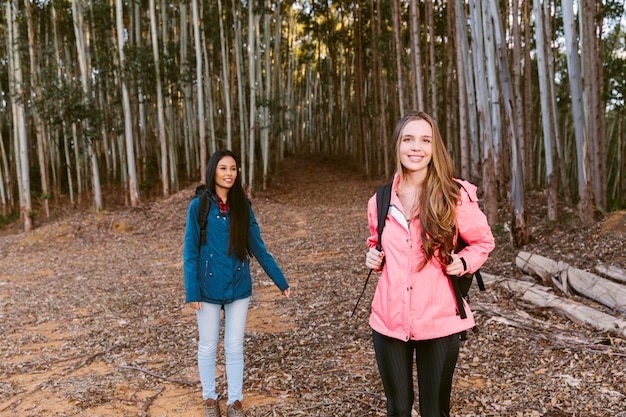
(105,95)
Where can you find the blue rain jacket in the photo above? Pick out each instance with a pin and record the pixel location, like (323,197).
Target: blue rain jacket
(211,274)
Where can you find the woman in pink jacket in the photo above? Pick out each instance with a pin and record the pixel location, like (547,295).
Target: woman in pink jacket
(414,311)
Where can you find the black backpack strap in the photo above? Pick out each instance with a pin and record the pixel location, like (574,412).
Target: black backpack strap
(458,297)
(458,294)
(479,280)
(383,199)
(204,204)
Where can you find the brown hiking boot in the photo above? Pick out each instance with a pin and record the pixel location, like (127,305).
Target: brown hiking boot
(212,408)
(235,410)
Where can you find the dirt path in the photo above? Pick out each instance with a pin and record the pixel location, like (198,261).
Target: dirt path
(92,320)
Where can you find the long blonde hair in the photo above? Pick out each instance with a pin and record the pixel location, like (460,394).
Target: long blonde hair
(437,203)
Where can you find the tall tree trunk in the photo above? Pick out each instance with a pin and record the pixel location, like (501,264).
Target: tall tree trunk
(199,89)
(225,78)
(416,60)
(494,100)
(430,17)
(264,92)
(243,127)
(547,118)
(484,115)
(165,182)
(252,33)
(520,232)
(128,125)
(398,49)
(464,154)
(38,123)
(359,83)
(82,47)
(380,82)
(189,128)
(594,86)
(19,119)
(472,148)
(585,205)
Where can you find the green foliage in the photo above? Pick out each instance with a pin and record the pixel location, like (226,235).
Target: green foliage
(10,218)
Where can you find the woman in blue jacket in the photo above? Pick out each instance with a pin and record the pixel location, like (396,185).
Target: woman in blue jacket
(217,276)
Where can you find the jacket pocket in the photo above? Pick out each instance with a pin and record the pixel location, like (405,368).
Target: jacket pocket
(207,277)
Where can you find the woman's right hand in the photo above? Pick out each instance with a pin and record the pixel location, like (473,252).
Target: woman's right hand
(374,259)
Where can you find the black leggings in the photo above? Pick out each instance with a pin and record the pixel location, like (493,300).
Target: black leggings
(436,360)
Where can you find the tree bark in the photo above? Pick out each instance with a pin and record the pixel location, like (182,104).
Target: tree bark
(199,89)
(128,126)
(564,277)
(159,98)
(585,205)
(398,48)
(17,104)
(542,297)
(547,117)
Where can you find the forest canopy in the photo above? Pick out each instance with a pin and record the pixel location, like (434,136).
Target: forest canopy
(133,95)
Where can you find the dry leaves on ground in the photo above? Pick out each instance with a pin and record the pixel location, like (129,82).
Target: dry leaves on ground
(92,320)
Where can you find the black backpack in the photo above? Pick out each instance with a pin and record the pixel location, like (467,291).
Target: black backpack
(460,285)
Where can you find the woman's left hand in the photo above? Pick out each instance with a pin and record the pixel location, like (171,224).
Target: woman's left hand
(456,267)
(287,292)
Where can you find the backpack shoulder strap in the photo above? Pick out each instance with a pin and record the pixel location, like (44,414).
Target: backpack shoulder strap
(204,204)
(383,199)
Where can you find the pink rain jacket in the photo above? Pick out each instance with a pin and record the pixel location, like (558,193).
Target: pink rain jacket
(419,305)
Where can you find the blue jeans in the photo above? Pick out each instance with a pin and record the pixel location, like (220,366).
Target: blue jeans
(209,330)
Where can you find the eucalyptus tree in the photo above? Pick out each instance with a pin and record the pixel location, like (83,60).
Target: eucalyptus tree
(379,82)
(416,57)
(242,110)
(432,63)
(470,155)
(159,99)
(133,189)
(519,229)
(585,205)
(140,93)
(82,36)
(494,99)
(265,91)
(17,102)
(484,113)
(35,88)
(195,16)
(548,118)
(398,48)
(591,23)
(253,33)
(225,77)
(190,157)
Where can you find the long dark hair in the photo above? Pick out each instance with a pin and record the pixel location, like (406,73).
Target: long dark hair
(437,205)
(238,202)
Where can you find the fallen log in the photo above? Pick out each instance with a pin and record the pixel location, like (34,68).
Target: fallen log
(542,297)
(564,277)
(612,271)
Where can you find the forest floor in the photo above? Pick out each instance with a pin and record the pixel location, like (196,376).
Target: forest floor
(93,322)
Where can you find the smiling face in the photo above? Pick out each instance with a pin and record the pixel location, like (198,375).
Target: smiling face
(415,148)
(225,174)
